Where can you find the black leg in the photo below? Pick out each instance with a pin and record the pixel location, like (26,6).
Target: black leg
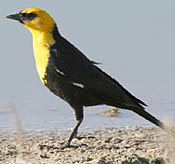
(79,117)
(73,134)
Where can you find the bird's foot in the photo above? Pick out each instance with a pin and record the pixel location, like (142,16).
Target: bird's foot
(67,145)
(41,147)
(55,147)
(80,138)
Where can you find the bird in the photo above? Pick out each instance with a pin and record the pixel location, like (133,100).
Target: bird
(72,76)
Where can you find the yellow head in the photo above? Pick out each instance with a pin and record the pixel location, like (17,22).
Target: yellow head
(34,19)
(41,25)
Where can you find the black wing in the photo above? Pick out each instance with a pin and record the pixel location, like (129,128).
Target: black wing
(76,68)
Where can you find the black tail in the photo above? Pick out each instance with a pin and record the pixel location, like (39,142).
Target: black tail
(154,120)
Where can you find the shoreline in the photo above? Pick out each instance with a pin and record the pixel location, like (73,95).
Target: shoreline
(108,146)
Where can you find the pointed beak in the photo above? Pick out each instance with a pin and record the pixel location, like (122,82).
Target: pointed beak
(17,16)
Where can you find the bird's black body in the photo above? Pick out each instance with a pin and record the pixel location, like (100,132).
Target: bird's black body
(68,66)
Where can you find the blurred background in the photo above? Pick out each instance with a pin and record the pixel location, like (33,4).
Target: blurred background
(134,41)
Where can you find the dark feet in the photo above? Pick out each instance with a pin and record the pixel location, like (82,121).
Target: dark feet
(80,138)
(72,146)
(67,145)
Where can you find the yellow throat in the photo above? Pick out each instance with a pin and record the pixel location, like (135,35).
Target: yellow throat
(41,43)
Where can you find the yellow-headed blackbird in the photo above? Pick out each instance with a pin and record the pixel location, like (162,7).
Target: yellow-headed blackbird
(69,74)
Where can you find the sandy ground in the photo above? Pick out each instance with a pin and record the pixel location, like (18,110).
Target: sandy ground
(126,146)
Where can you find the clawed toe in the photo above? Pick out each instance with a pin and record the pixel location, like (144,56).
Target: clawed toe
(80,138)
(67,145)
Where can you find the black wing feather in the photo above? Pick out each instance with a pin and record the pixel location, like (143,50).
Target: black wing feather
(78,68)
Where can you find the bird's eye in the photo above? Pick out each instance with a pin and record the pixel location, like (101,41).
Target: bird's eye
(31,15)
(28,16)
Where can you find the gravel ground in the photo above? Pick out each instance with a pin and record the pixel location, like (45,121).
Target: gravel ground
(132,145)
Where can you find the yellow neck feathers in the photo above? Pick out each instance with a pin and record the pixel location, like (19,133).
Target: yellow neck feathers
(41,43)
